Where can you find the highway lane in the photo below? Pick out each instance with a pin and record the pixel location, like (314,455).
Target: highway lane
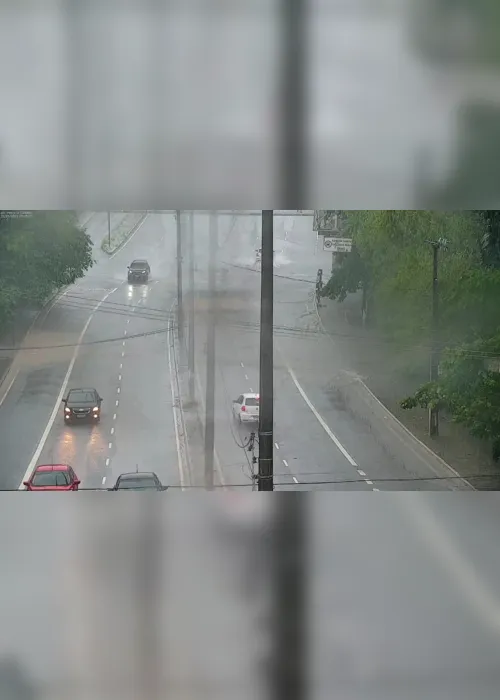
(130,373)
(318,440)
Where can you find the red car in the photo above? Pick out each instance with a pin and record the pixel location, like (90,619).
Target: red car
(52,477)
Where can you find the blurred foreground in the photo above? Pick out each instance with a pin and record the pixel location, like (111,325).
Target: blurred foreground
(164,597)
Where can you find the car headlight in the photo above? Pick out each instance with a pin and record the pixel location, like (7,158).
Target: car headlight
(96,409)
(67,410)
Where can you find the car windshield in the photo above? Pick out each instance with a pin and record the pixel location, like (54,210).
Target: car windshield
(139,266)
(252,402)
(81,397)
(52,478)
(137,483)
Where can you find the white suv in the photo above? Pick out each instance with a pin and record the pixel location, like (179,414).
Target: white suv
(246,408)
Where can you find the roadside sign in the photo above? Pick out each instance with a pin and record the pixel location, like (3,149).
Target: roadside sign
(337,245)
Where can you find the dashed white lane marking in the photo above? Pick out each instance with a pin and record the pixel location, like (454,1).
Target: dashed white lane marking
(121,365)
(123,343)
(112,431)
(369,482)
(246,377)
(114,416)
(251,390)
(107,461)
(361,472)
(56,408)
(296,480)
(128,320)
(125,332)
(276,445)
(241,363)
(110,445)
(119,377)
(376,489)
(118,390)
(320,420)
(103,480)
(123,353)
(116,402)
(285,463)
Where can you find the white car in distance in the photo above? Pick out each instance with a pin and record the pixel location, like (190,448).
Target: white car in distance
(246,408)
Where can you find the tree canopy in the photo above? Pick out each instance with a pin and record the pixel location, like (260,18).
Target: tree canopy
(392,262)
(40,252)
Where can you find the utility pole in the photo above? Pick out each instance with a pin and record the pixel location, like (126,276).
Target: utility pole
(435,349)
(292,156)
(180,310)
(109,230)
(266,482)
(210,396)
(191,307)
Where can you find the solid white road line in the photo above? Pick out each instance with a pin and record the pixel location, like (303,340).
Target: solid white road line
(320,420)
(55,410)
(9,387)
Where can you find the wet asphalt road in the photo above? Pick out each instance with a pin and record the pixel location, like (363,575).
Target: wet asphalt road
(132,376)
(318,443)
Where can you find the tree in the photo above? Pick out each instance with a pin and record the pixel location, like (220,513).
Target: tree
(469,388)
(40,252)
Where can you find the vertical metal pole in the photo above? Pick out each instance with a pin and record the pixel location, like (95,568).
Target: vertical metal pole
(292,125)
(210,395)
(266,482)
(109,229)
(434,364)
(289,667)
(180,310)
(191,307)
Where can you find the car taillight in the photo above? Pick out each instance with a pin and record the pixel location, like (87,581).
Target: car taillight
(243,408)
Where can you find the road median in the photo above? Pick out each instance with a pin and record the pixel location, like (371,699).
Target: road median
(122,231)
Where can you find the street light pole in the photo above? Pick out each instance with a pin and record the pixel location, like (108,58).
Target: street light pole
(435,349)
(180,309)
(109,230)
(266,398)
(191,307)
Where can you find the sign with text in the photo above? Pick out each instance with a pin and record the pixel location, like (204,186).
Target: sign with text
(337,245)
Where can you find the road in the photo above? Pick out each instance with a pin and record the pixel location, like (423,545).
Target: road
(319,443)
(404,597)
(97,324)
(104,333)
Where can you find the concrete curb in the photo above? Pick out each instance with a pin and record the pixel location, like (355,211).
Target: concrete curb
(125,239)
(394,436)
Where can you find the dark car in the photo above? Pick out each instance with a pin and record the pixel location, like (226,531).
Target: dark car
(139,481)
(139,271)
(82,405)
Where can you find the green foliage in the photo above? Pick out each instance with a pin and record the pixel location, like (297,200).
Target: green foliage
(469,387)
(40,252)
(393,259)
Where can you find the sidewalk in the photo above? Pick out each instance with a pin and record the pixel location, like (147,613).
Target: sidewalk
(392,372)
